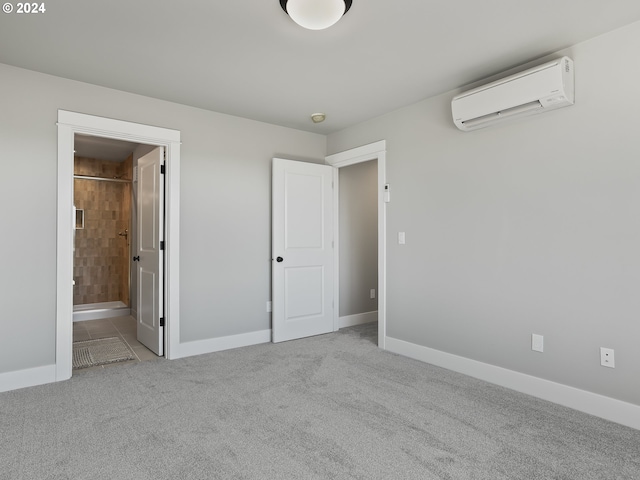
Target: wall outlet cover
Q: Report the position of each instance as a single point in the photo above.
(607, 358)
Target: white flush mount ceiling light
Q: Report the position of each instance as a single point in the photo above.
(315, 14)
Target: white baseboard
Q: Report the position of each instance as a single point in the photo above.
(357, 319)
(47, 374)
(592, 403)
(211, 345)
(29, 377)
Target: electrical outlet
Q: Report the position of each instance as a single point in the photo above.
(372, 293)
(402, 239)
(268, 307)
(537, 343)
(607, 358)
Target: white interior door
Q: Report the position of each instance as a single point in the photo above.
(149, 256)
(303, 269)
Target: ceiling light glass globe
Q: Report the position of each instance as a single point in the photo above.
(315, 14)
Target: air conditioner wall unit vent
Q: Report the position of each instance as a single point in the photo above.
(539, 89)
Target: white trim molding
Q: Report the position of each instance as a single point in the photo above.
(358, 319)
(211, 345)
(373, 151)
(28, 377)
(357, 155)
(588, 402)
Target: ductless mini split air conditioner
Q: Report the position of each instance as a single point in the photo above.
(540, 89)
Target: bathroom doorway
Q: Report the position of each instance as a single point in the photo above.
(146, 136)
(106, 304)
(102, 190)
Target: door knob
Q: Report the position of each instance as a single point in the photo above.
(136, 259)
(279, 259)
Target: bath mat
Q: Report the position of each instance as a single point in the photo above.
(102, 351)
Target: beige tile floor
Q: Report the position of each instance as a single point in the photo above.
(123, 327)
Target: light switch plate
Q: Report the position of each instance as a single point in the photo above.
(537, 343)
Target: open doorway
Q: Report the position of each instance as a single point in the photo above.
(102, 199)
(306, 257)
(374, 157)
(116, 316)
(358, 244)
(69, 126)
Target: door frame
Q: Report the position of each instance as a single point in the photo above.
(70, 123)
(373, 151)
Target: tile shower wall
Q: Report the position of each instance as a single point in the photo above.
(101, 256)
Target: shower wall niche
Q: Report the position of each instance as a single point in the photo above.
(101, 252)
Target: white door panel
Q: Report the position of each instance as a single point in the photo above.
(149, 267)
(303, 211)
(147, 282)
(305, 289)
(303, 266)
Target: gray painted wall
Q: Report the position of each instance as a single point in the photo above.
(529, 227)
(225, 209)
(358, 212)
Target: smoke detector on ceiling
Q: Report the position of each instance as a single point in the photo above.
(318, 117)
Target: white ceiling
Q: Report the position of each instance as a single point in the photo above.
(102, 148)
(247, 58)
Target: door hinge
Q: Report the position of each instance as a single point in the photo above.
(161, 244)
(162, 169)
(162, 321)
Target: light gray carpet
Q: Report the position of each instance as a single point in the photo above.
(101, 351)
(328, 407)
